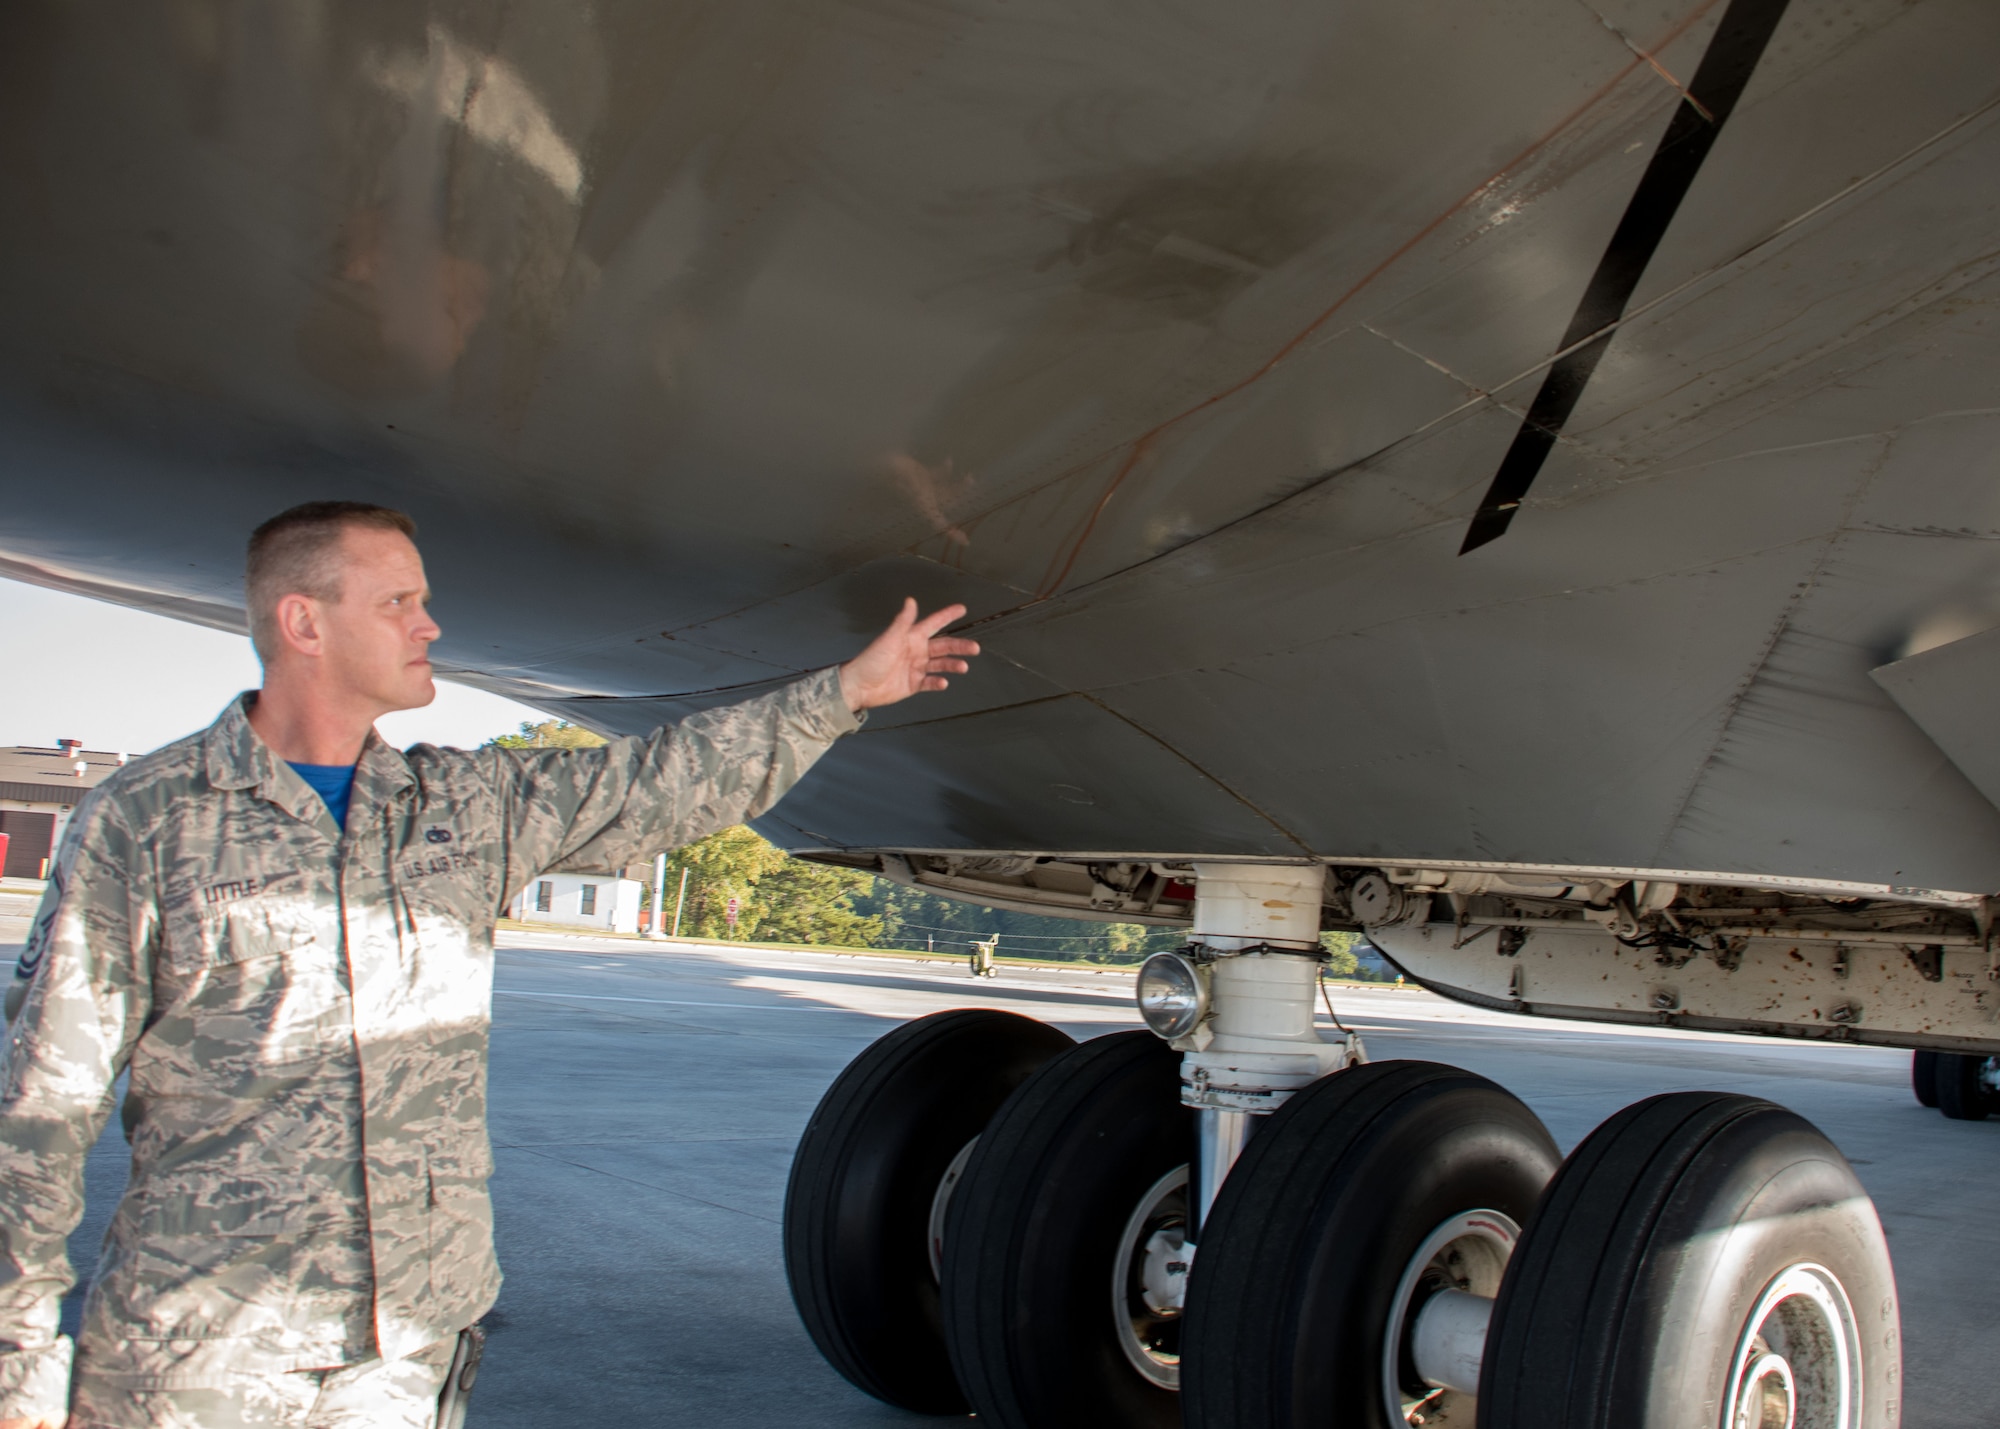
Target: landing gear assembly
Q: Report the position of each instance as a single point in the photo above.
(1962, 1085)
(1235, 1221)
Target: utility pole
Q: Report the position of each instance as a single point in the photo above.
(680, 903)
(659, 919)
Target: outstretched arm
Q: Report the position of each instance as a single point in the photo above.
(608, 807)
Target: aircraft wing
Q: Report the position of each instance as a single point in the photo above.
(1402, 430)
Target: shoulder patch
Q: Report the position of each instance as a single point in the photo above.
(30, 960)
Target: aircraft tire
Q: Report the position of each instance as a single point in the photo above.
(865, 1186)
(1961, 1087)
(1364, 1193)
(1033, 1243)
(1699, 1257)
(1923, 1077)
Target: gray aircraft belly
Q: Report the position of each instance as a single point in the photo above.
(1181, 342)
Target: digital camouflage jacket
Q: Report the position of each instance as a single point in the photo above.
(304, 1017)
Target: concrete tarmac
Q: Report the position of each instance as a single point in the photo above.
(646, 1099)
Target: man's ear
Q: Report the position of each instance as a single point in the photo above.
(298, 622)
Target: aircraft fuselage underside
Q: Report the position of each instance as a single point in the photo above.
(1795, 958)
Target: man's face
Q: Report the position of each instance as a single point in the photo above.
(377, 636)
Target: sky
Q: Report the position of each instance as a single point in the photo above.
(127, 681)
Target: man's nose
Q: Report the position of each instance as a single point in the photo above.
(427, 629)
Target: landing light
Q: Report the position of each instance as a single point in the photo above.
(1173, 996)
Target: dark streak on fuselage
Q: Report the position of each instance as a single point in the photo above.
(1726, 67)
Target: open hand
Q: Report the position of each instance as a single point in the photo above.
(907, 657)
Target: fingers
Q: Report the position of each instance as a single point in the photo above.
(937, 620)
(926, 668)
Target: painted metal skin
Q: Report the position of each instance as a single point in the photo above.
(1180, 341)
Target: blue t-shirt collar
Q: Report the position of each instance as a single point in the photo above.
(334, 783)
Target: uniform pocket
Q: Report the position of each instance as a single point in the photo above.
(269, 1000)
(240, 930)
(253, 929)
(247, 984)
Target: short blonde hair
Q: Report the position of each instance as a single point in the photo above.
(296, 553)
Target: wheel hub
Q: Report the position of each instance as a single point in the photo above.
(1426, 1359)
(1163, 1271)
(1149, 1280)
(1769, 1399)
(1798, 1360)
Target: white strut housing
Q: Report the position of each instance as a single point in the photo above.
(1239, 905)
(1259, 1043)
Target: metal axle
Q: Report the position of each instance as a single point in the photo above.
(1220, 1136)
(1448, 1341)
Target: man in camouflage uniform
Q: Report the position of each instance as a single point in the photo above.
(303, 1007)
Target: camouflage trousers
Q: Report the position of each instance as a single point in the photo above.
(378, 1394)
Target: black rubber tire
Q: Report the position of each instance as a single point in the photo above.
(858, 1204)
(1031, 1240)
(1624, 1304)
(1303, 1251)
(1961, 1092)
(1923, 1077)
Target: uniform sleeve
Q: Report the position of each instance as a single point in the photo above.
(589, 810)
(88, 990)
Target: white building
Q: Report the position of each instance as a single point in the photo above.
(580, 900)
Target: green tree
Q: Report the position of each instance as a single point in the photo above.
(549, 734)
(1341, 961)
(779, 899)
(725, 865)
(800, 902)
(1126, 942)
